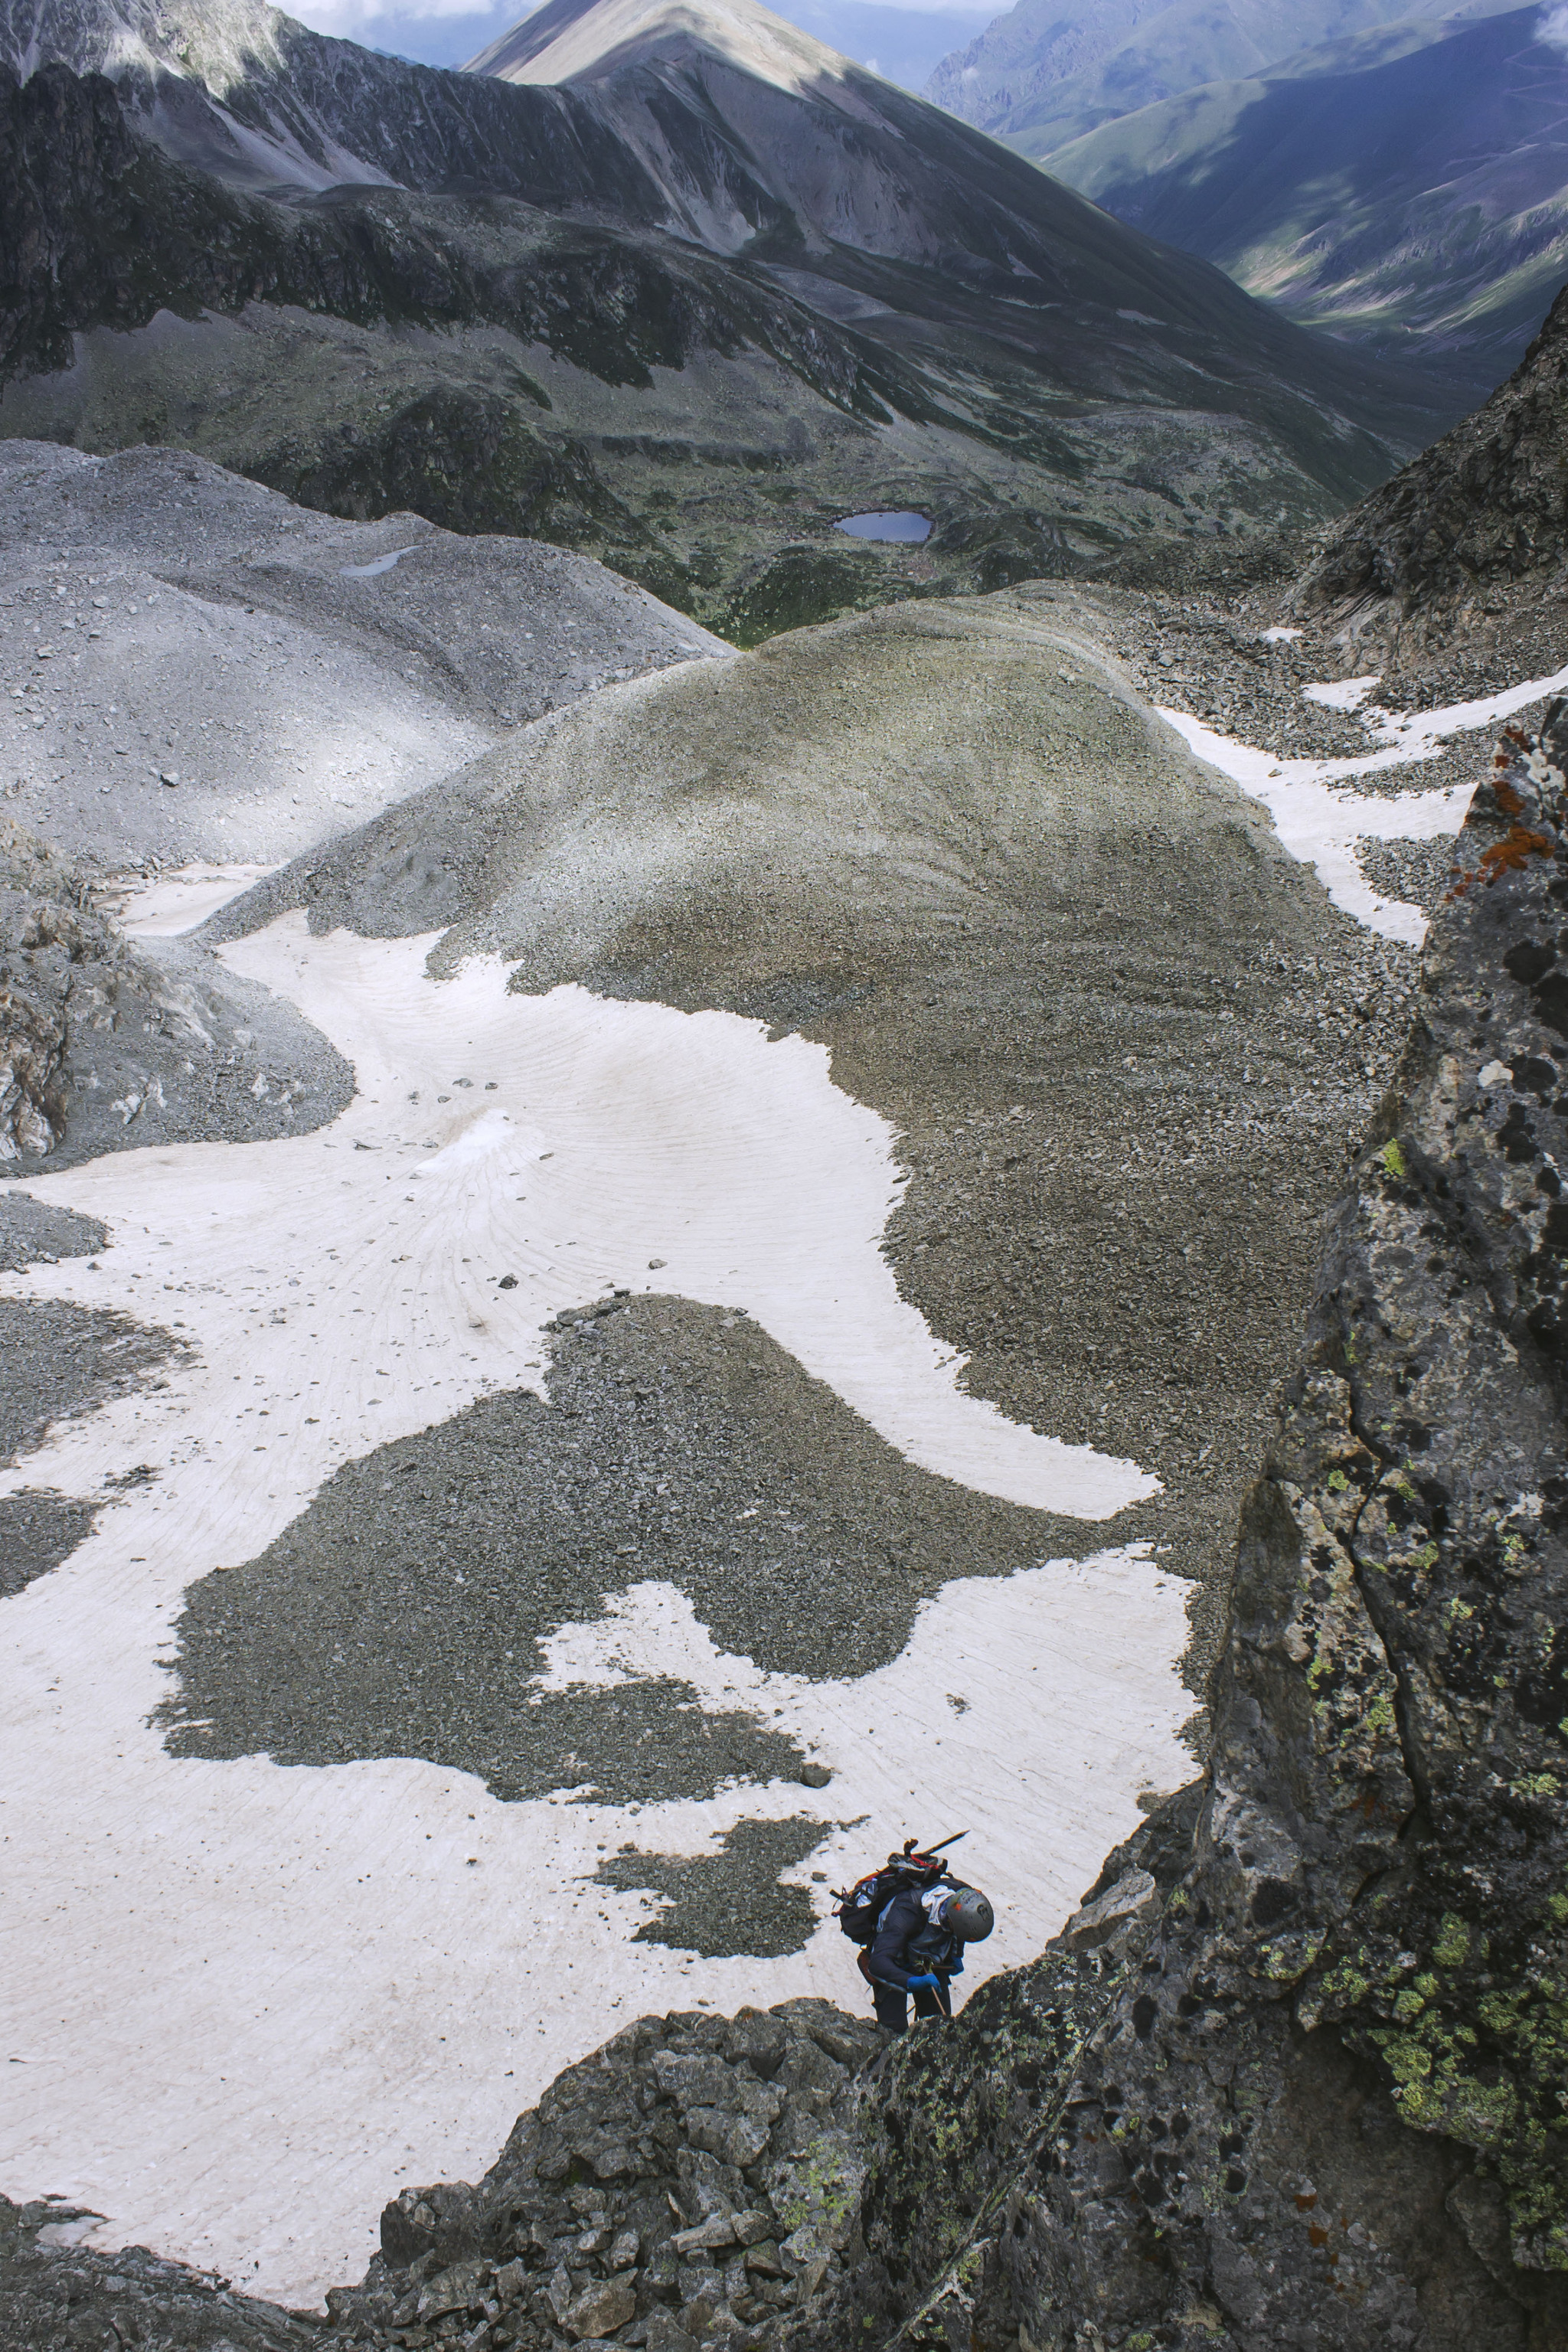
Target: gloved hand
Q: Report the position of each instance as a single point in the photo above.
(923, 1980)
(956, 1969)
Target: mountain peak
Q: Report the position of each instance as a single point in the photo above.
(588, 40)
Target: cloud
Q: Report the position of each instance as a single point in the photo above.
(374, 21)
(397, 26)
(1553, 26)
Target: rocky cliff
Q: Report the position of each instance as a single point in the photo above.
(1480, 517)
(1318, 2098)
(1296, 2074)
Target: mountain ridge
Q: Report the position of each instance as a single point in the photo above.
(672, 312)
(1037, 79)
(1406, 185)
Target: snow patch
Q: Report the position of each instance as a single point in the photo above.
(1343, 693)
(1320, 815)
(373, 570)
(164, 907)
(249, 2003)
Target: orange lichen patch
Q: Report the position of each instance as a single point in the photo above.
(1512, 853)
(1509, 855)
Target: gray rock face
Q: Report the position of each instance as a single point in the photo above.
(104, 1047)
(1479, 514)
(1319, 2105)
(695, 2179)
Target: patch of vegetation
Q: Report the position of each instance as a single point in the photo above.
(803, 585)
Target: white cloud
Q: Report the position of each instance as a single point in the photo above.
(396, 28)
(1553, 26)
(372, 21)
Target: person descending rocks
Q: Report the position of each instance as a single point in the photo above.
(911, 1920)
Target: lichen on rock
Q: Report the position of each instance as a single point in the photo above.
(1321, 2098)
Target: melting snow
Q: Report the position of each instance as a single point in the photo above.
(1320, 815)
(229, 1982)
(181, 898)
(378, 564)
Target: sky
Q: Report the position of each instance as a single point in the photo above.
(905, 43)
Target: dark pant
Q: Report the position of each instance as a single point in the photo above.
(890, 2003)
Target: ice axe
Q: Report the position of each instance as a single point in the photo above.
(910, 1847)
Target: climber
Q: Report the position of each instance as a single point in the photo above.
(911, 1920)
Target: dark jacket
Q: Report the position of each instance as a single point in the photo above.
(908, 1942)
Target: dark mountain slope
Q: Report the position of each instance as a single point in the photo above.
(1477, 522)
(848, 170)
(239, 89)
(102, 229)
(1408, 182)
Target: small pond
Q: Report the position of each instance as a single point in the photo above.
(886, 526)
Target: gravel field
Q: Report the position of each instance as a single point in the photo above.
(195, 667)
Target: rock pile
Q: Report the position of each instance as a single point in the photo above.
(57, 2295)
(103, 1044)
(694, 2180)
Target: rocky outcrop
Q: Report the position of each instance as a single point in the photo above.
(58, 2295)
(1482, 512)
(1319, 2100)
(694, 2179)
(104, 1046)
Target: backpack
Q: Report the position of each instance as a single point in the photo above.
(858, 1908)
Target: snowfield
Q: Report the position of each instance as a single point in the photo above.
(248, 2001)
